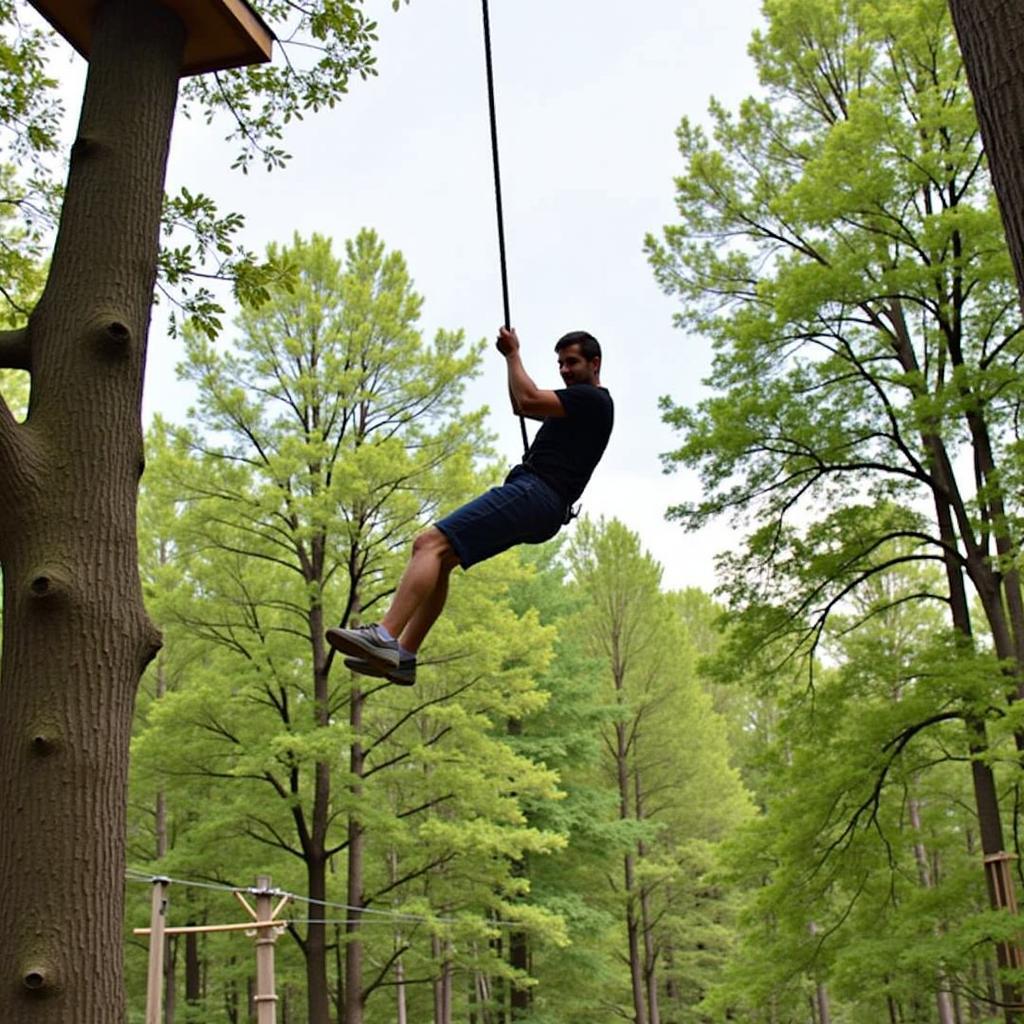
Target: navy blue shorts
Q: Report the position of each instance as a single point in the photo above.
(523, 510)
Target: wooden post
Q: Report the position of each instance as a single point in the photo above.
(157, 941)
(1000, 880)
(266, 936)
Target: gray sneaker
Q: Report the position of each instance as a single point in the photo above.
(404, 675)
(367, 643)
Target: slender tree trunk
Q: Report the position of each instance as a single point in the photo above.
(520, 997)
(401, 1008)
(339, 975)
(636, 971)
(170, 970)
(313, 834)
(75, 634)
(400, 993)
(519, 958)
(894, 1016)
(354, 943)
(650, 954)
(193, 983)
(671, 982)
(991, 34)
(318, 995)
(497, 989)
(443, 982)
(160, 835)
(171, 944)
(447, 984)
(483, 996)
(820, 1004)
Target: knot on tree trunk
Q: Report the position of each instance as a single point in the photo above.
(44, 745)
(113, 338)
(48, 586)
(39, 978)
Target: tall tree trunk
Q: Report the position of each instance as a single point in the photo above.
(170, 970)
(193, 983)
(497, 989)
(339, 975)
(442, 953)
(171, 944)
(820, 1005)
(650, 955)
(991, 34)
(354, 891)
(646, 921)
(520, 996)
(401, 1007)
(76, 637)
(318, 995)
(314, 834)
(519, 958)
(986, 795)
(636, 968)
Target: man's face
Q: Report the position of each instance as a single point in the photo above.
(574, 368)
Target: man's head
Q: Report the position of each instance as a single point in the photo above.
(579, 358)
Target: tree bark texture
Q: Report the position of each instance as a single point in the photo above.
(991, 34)
(76, 637)
(313, 834)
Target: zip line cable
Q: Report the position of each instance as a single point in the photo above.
(384, 916)
(497, 192)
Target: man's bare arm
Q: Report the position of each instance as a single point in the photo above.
(527, 399)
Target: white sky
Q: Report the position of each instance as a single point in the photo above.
(589, 93)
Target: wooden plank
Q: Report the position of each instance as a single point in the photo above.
(221, 34)
(202, 929)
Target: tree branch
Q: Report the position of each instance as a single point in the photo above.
(382, 973)
(15, 350)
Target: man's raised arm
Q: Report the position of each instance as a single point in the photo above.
(527, 399)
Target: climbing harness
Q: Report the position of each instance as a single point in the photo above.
(497, 191)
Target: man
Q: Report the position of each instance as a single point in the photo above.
(530, 506)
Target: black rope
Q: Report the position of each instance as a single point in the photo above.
(497, 191)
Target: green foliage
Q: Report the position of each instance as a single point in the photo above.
(862, 872)
(838, 242)
(320, 442)
(662, 749)
(325, 44)
(319, 49)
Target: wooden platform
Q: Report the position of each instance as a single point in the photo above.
(221, 33)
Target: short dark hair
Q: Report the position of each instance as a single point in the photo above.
(590, 347)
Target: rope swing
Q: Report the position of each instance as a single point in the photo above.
(497, 191)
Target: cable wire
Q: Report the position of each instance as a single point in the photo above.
(392, 916)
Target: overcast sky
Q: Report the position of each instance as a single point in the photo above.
(589, 94)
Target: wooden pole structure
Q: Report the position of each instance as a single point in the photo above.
(265, 924)
(157, 942)
(266, 936)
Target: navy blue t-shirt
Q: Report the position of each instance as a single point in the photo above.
(567, 448)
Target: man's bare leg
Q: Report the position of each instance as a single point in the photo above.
(426, 614)
(422, 591)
